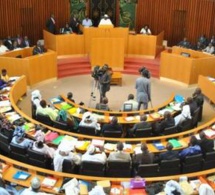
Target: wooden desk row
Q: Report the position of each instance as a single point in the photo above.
(37, 68)
(19, 89)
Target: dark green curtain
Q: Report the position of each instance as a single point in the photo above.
(127, 13)
(78, 8)
(100, 7)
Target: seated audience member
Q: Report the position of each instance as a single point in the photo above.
(87, 22)
(81, 110)
(193, 105)
(19, 40)
(209, 49)
(3, 84)
(25, 42)
(22, 141)
(89, 121)
(105, 20)
(36, 97)
(46, 110)
(4, 75)
(173, 188)
(146, 72)
(15, 46)
(199, 46)
(198, 97)
(203, 40)
(63, 153)
(212, 40)
(34, 189)
(193, 148)
(38, 49)
(169, 154)
(67, 29)
(132, 102)
(4, 191)
(3, 48)
(112, 126)
(8, 42)
(143, 157)
(92, 155)
(103, 105)
(185, 114)
(168, 121)
(70, 97)
(207, 145)
(141, 125)
(185, 43)
(205, 189)
(145, 30)
(119, 154)
(41, 147)
(64, 118)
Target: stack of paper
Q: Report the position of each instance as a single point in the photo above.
(49, 182)
(82, 145)
(175, 143)
(55, 100)
(209, 133)
(155, 115)
(98, 143)
(110, 147)
(21, 175)
(159, 145)
(129, 118)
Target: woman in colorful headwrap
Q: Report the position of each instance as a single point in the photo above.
(63, 117)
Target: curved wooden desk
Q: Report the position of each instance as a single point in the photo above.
(19, 89)
(14, 166)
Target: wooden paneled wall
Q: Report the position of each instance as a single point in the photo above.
(178, 18)
(28, 17)
(159, 15)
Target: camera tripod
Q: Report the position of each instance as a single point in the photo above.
(95, 85)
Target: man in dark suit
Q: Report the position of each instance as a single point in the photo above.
(207, 145)
(141, 125)
(9, 43)
(51, 24)
(168, 121)
(25, 42)
(169, 154)
(112, 126)
(74, 24)
(38, 49)
(193, 105)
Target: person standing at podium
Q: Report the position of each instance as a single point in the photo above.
(51, 24)
(105, 21)
(145, 30)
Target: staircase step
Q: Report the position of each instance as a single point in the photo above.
(69, 66)
(73, 72)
